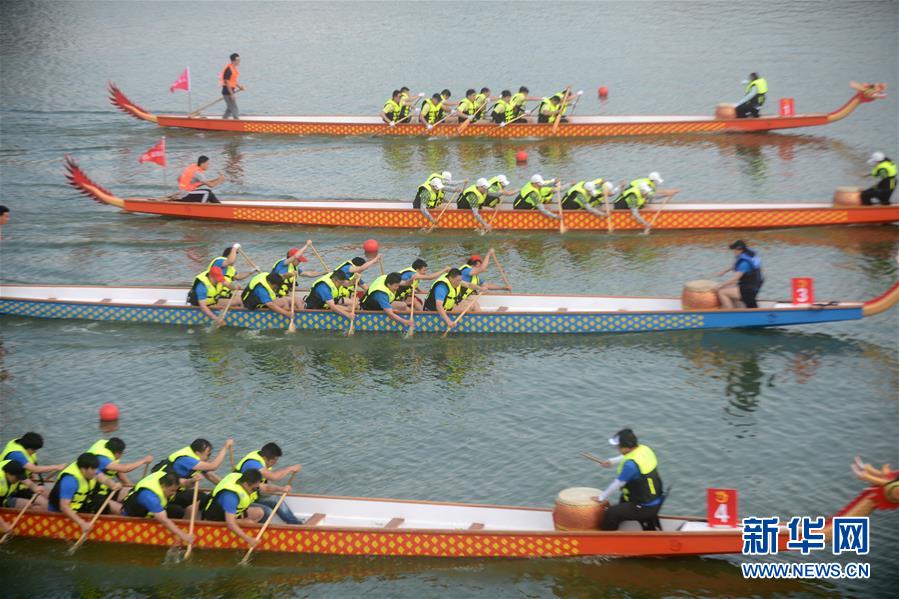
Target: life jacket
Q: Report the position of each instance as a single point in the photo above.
(285, 287)
(229, 483)
(15, 446)
(167, 465)
(313, 300)
(525, 198)
(501, 107)
(555, 109)
(250, 299)
(253, 455)
(152, 484)
(99, 449)
(451, 296)
(231, 83)
(393, 110)
(379, 284)
(434, 196)
(577, 196)
(85, 487)
(214, 291)
(479, 101)
(515, 106)
(405, 291)
(404, 108)
(6, 488)
(467, 106)
(345, 292)
(633, 189)
(185, 181)
(493, 185)
(464, 292)
(753, 279)
(472, 193)
(886, 169)
(433, 111)
(648, 486)
(761, 88)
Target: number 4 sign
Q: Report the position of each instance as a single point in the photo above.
(722, 507)
(803, 290)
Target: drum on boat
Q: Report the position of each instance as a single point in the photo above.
(726, 110)
(847, 196)
(700, 295)
(577, 509)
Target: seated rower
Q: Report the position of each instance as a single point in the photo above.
(14, 478)
(516, 106)
(589, 196)
(471, 274)
(325, 291)
(744, 286)
(231, 500)
(468, 106)
(409, 278)
(24, 451)
(638, 479)
(260, 293)
(151, 498)
(393, 108)
(263, 461)
(73, 492)
(749, 104)
(431, 111)
(501, 107)
(289, 267)
(407, 104)
(443, 297)
(214, 287)
(636, 195)
(550, 109)
(108, 453)
(475, 196)
(353, 269)
(480, 103)
(191, 462)
(430, 194)
(381, 296)
(885, 169)
(193, 180)
(535, 195)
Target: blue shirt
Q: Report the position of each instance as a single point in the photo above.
(68, 486)
(323, 291)
(441, 290)
(746, 263)
(466, 274)
(220, 262)
(228, 501)
(148, 500)
(407, 275)
(252, 465)
(282, 268)
(200, 292)
(262, 294)
(382, 299)
(346, 270)
(183, 466)
(17, 456)
(104, 462)
(629, 472)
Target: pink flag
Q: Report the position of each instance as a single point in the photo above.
(182, 82)
(155, 154)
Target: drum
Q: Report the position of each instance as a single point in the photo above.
(726, 111)
(847, 196)
(577, 509)
(700, 295)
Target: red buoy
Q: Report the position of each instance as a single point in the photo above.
(521, 157)
(603, 92)
(109, 412)
(371, 246)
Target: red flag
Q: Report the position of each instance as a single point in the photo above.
(182, 82)
(155, 154)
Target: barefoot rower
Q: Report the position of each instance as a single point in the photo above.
(744, 285)
(382, 296)
(885, 169)
(230, 86)
(535, 195)
(151, 498)
(443, 297)
(588, 195)
(263, 461)
(193, 180)
(637, 478)
(231, 500)
(325, 291)
(108, 453)
(74, 491)
(636, 195)
(191, 462)
(749, 104)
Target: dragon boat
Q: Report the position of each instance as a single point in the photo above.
(391, 214)
(499, 313)
(392, 527)
(577, 126)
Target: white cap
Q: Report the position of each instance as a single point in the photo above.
(876, 157)
(580, 92)
(236, 246)
(447, 175)
(654, 176)
(482, 182)
(590, 186)
(537, 180)
(645, 189)
(502, 179)
(608, 187)
(436, 183)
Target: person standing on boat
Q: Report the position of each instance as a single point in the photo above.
(232, 500)
(589, 196)
(108, 453)
(638, 480)
(263, 461)
(151, 498)
(230, 86)
(637, 194)
(73, 491)
(193, 180)
(191, 462)
(747, 279)
(756, 89)
(409, 278)
(326, 291)
(381, 296)
(535, 195)
(260, 292)
(885, 169)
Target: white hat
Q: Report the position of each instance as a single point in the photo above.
(436, 183)
(502, 179)
(482, 182)
(645, 189)
(537, 180)
(608, 187)
(654, 176)
(876, 157)
(447, 175)
(590, 186)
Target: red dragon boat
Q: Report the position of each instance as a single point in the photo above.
(393, 214)
(577, 126)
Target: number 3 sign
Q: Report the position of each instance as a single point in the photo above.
(721, 507)
(803, 290)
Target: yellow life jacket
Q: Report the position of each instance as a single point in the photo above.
(99, 449)
(434, 196)
(250, 301)
(515, 106)
(220, 291)
(886, 170)
(405, 109)
(314, 302)
(229, 483)
(433, 110)
(152, 484)
(285, 287)
(467, 106)
(451, 296)
(15, 446)
(493, 185)
(554, 109)
(526, 195)
(464, 292)
(761, 88)
(649, 486)
(6, 489)
(85, 487)
(379, 284)
(405, 291)
(633, 190)
(255, 456)
(392, 110)
(184, 452)
(479, 196)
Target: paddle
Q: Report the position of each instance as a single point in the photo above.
(562, 227)
(247, 258)
(655, 217)
(523, 115)
(455, 322)
(605, 198)
(246, 558)
(464, 125)
(447, 205)
(411, 330)
(320, 259)
(90, 526)
(558, 118)
(576, 100)
(292, 327)
(381, 263)
(193, 518)
(502, 273)
(221, 319)
(448, 115)
(18, 517)
(213, 103)
(350, 331)
(599, 461)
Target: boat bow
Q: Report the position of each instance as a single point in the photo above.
(78, 179)
(883, 302)
(865, 92)
(121, 101)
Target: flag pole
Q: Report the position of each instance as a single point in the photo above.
(189, 108)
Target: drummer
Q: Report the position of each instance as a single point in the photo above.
(749, 104)
(744, 285)
(885, 170)
(637, 478)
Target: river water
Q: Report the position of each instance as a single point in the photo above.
(776, 414)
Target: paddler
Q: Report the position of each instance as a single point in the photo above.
(885, 169)
(393, 108)
(24, 452)
(443, 297)
(549, 110)
(480, 103)
(409, 280)
(192, 462)
(193, 180)
(289, 267)
(473, 197)
(263, 461)
(535, 195)
(325, 291)
(516, 107)
(14, 479)
(432, 192)
(746, 282)
(636, 195)
(749, 104)
(355, 267)
(471, 274)
(109, 452)
(261, 293)
(214, 287)
(381, 296)
(407, 103)
(231, 500)
(637, 478)
(151, 498)
(501, 107)
(468, 106)
(230, 86)
(589, 196)
(431, 111)
(73, 492)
